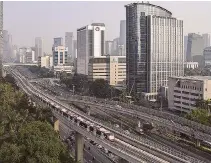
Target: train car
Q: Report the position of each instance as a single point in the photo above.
(147, 127)
(70, 115)
(79, 119)
(83, 123)
(90, 125)
(206, 144)
(98, 130)
(64, 112)
(108, 135)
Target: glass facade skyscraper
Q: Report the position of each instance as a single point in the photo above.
(154, 48)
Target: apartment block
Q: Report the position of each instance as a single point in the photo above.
(183, 92)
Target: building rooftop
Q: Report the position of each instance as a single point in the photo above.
(207, 48)
(148, 4)
(93, 24)
(193, 77)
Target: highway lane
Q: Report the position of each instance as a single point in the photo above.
(90, 150)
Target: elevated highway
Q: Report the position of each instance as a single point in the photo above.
(119, 147)
(166, 120)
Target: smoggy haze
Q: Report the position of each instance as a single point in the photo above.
(27, 20)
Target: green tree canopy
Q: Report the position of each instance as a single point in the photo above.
(36, 142)
(25, 134)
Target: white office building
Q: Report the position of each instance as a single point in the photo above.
(110, 68)
(60, 62)
(192, 65)
(60, 55)
(183, 92)
(90, 43)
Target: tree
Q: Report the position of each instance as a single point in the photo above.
(99, 88)
(25, 134)
(41, 71)
(35, 142)
(199, 115)
(81, 83)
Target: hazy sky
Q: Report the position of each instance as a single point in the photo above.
(27, 20)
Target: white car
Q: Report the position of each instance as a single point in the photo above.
(116, 125)
(127, 132)
(99, 146)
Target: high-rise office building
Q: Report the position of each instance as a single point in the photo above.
(69, 45)
(58, 41)
(122, 36)
(195, 49)
(115, 46)
(7, 46)
(154, 48)
(108, 47)
(90, 43)
(1, 37)
(38, 47)
(185, 46)
(60, 55)
(207, 56)
(75, 48)
(206, 38)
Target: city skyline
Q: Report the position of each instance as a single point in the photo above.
(45, 26)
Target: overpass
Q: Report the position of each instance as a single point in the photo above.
(148, 153)
(166, 120)
(19, 64)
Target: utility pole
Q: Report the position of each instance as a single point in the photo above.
(73, 89)
(161, 103)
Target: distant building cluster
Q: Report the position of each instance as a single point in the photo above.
(147, 59)
(197, 48)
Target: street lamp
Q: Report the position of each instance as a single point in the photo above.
(73, 89)
(209, 109)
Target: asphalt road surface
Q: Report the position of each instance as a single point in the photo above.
(90, 150)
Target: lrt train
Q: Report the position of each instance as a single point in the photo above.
(91, 127)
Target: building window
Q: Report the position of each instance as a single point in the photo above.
(176, 96)
(184, 103)
(194, 94)
(185, 92)
(178, 102)
(185, 98)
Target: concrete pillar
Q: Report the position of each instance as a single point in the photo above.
(121, 160)
(79, 149)
(56, 125)
(88, 112)
(198, 143)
